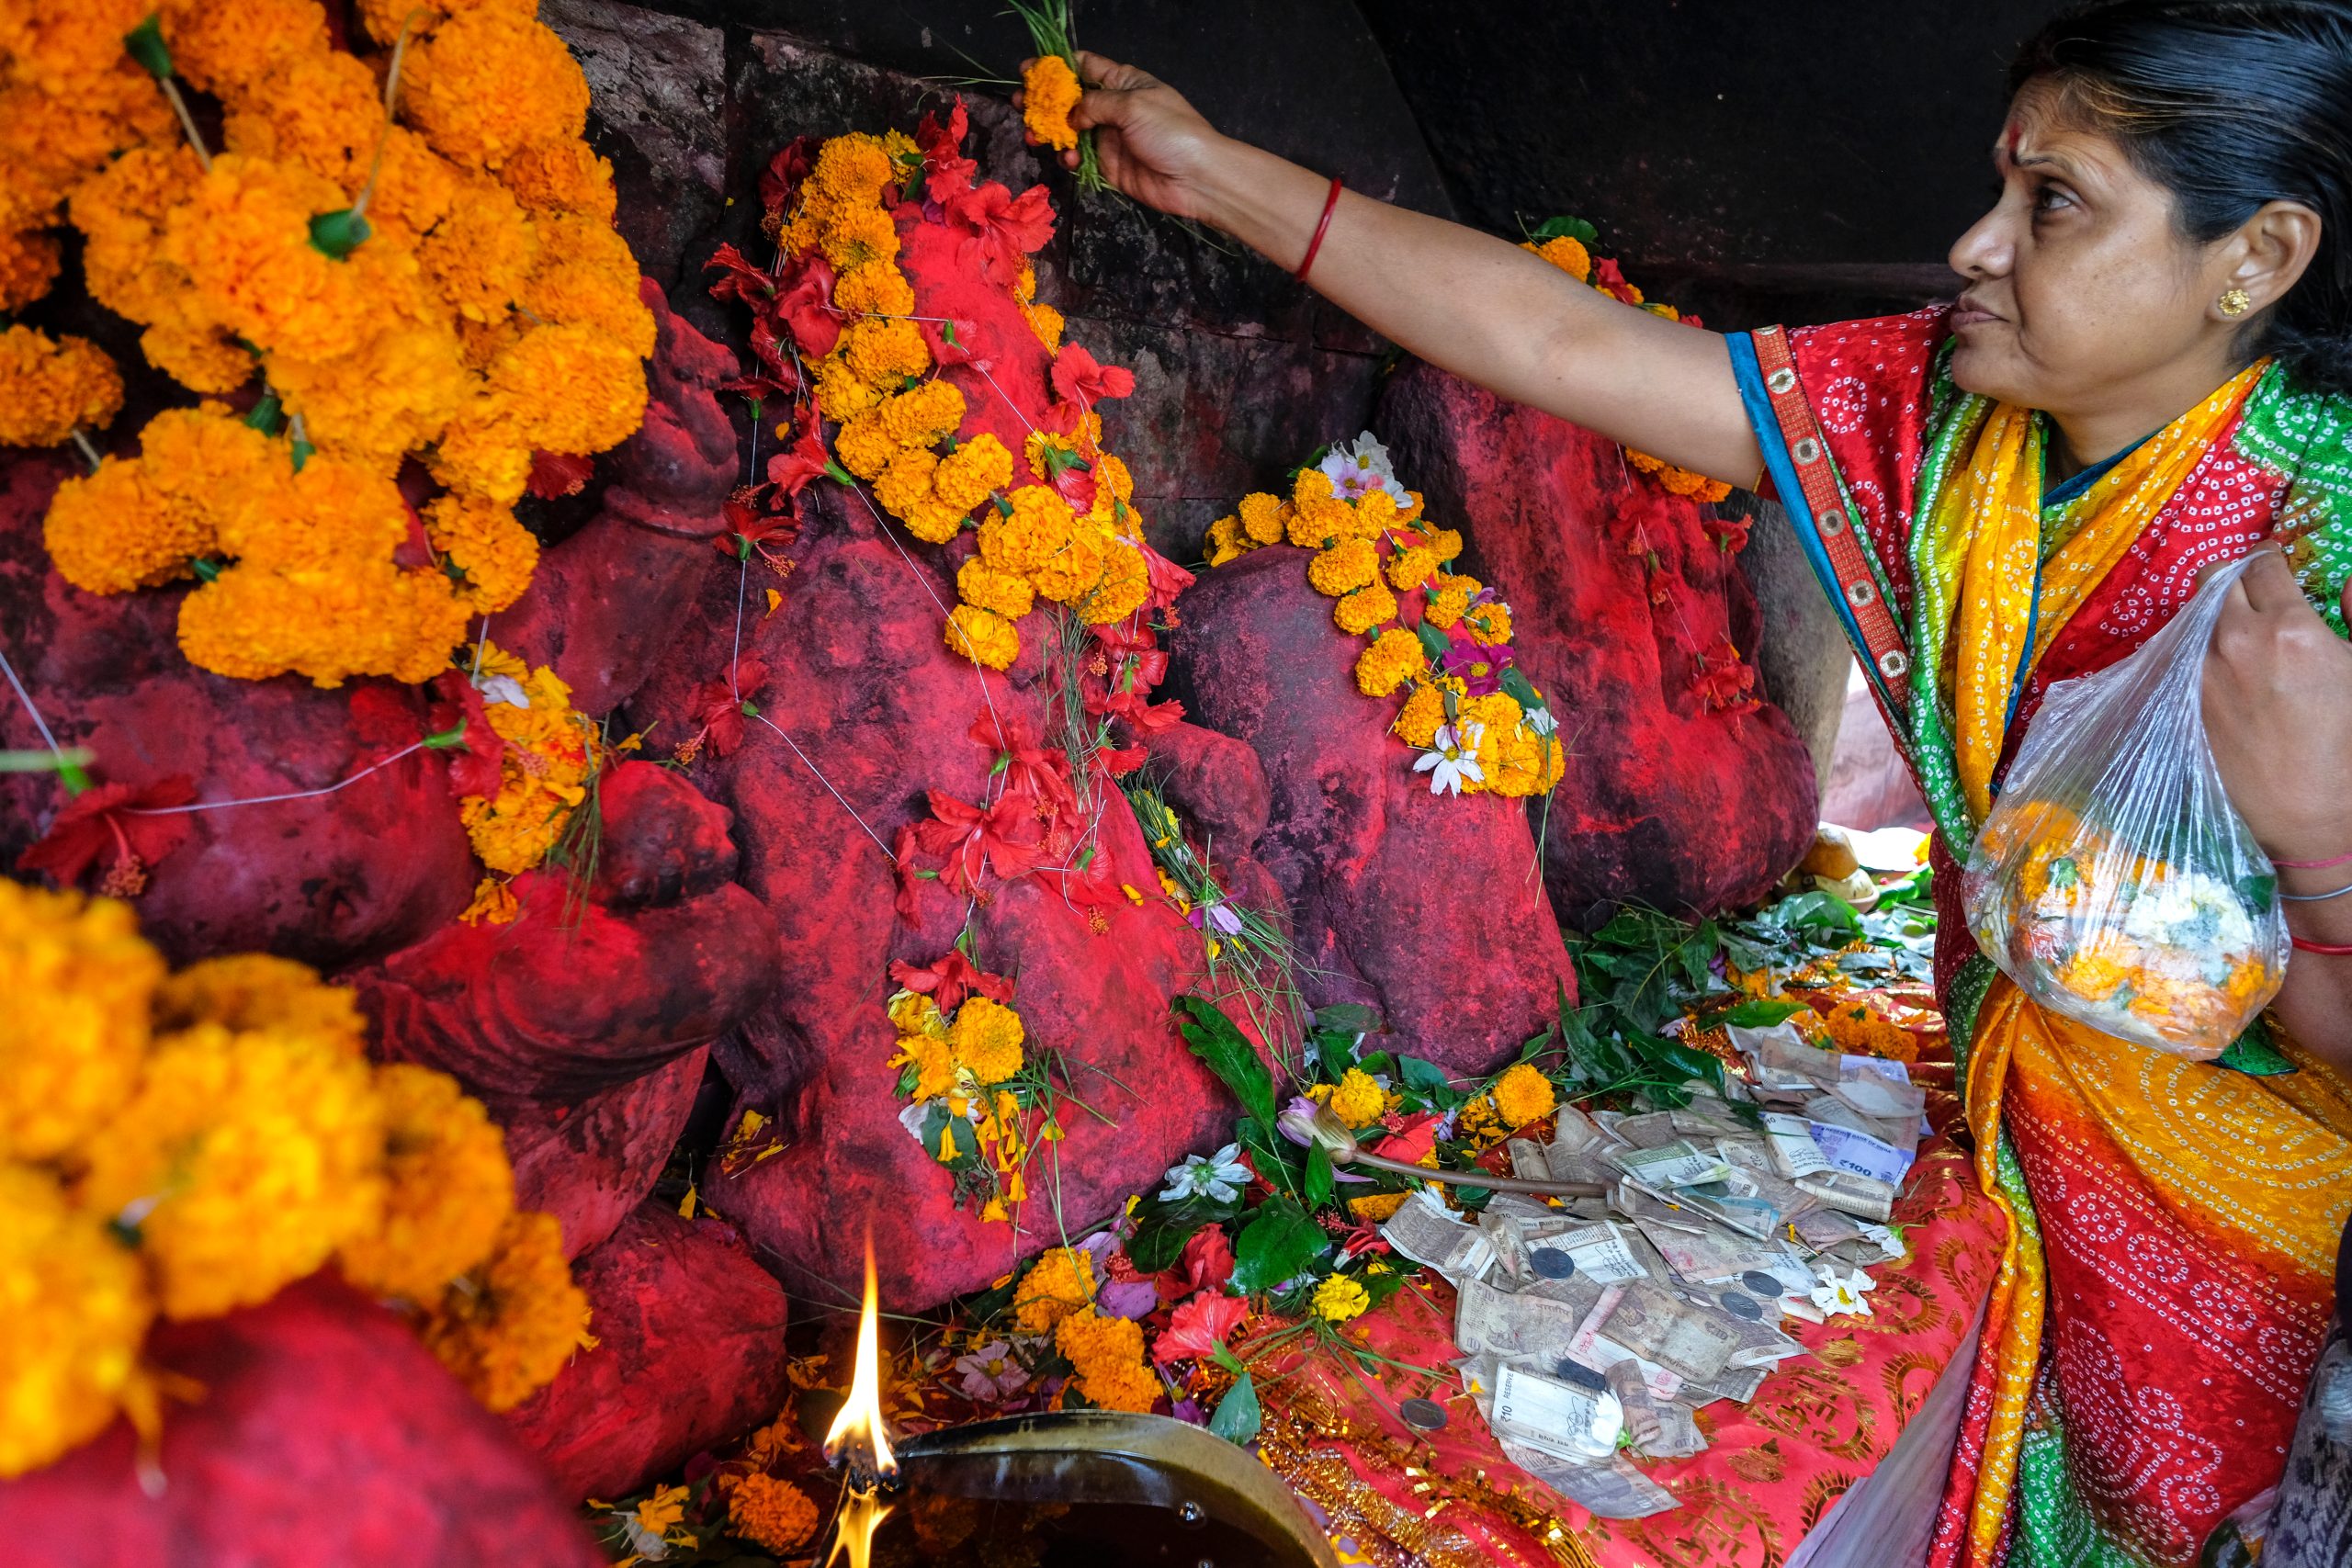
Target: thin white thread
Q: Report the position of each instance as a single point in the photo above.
(27, 698)
(267, 799)
(822, 779)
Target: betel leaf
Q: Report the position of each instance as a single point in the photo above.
(1319, 1177)
(1683, 1060)
(2253, 1053)
(1426, 1077)
(1760, 1012)
(1575, 228)
(1227, 1051)
(1433, 641)
(1237, 1419)
(1274, 1247)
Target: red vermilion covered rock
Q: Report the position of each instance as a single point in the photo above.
(1683, 791)
(325, 1433)
(590, 1163)
(1215, 782)
(689, 1353)
(1426, 906)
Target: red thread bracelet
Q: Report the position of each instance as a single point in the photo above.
(2324, 949)
(2344, 859)
(1323, 227)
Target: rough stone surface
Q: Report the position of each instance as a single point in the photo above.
(1668, 800)
(325, 1433)
(1215, 781)
(1428, 907)
(689, 1353)
(676, 846)
(590, 1163)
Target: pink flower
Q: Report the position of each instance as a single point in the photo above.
(1199, 1328)
(989, 1372)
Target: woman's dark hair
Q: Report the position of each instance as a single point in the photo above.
(2229, 104)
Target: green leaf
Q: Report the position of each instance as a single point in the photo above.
(2260, 891)
(1535, 1047)
(300, 452)
(339, 233)
(2254, 1054)
(266, 414)
(1162, 1229)
(1349, 1018)
(748, 708)
(1575, 228)
(1682, 1060)
(1520, 690)
(1760, 1012)
(1433, 641)
(1319, 1177)
(1335, 1052)
(145, 44)
(205, 569)
(1426, 1077)
(1237, 1417)
(1279, 1243)
(1228, 1052)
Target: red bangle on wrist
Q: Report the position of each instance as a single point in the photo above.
(1322, 227)
(2344, 859)
(2324, 949)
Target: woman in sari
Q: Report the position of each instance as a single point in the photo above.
(2149, 373)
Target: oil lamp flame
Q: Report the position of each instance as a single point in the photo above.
(861, 1515)
(857, 1432)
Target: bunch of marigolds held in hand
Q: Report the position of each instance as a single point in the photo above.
(182, 1145)
(397, 258)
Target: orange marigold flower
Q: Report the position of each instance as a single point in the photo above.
(1364, 609)
(321, 110)
(866, 446)
(1418, 721)
(1225, 540)
(1450, 599)
(852, 168)
(488, 84)
(48, 385)
(587, 277)
(1393, 657)
(27, 265)
(117, 530)
(575, 389)
(1107, 1355)
(878, 288)
(906, 483)
(885, 350)
(982, 585)
(1410, 567)
(1566, 253)
(924, 414)
(120, 212)
(1060, 1283)
(966, 476)
(935, 522)
(481, 539)
(771, 1514)
(859, 236)
(449, 1188)
(1445, 544)
(1127, 583)
(78, 1311)
(983, 637)
(1489, 623)
(481, 255)
(1047, 324)
(1262, 518)
(508, 1329)
(1344, 568)
(244, 239)
(386, 18)
(1069, 574)
(227, 49)
(203, 359)
(1036, 529)
(1049, 91)
(562, 175)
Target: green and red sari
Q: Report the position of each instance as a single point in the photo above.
(2168, 1274)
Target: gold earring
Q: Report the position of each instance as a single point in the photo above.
(2234, 301)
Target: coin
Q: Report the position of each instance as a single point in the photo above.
(1551, 1262)
(1423, 1415)
(1739, 1304)
(1584, 1377)
(1763, 1284)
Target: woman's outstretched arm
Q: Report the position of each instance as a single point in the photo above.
(1475, 305)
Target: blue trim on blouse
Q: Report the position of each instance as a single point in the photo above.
(1757, 401)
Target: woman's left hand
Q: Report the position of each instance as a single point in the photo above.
(2278, 713)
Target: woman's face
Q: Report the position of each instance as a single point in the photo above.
(2078, 282)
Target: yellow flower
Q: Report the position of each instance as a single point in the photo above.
(1340, 1298)
(1048, 323)
(876, 288)
(1379, 1208)
(905, 485)
(48, 385)
(1060, 1283)
(915, 1013)
(987, 1036)
(203, 359)
(771, 1514)
(587, 277)
(27, 265)
(560, 175)
(507, 1329)
(1419, 720)
(481, 254)
(1376, 514)
(966, 476)
(1126, 584)
(1449, 599)
(933, 1063)
(1489, 623)
(1037, 530)
(851, 168)
(1343, 567)
(493, 904)
(242, 237)
(983, 637)
(983, 585)
(1445, 544)
(885, 350)
(859, 236)
(921, 415)
(551, 754)
(1049, 91)
(77, 1312)
(1262, 518)
(1225, 540)
(451, 1187)
(245, 1159)
(225, 49)
(79, 978)
(865, 446)
(1067, 575)
(1107, 1357)
(1358, 1098)
(1395, 656)
(572, 389)
(481, 539)
(490, 83)
(1364, 609)
(1412, 567)
(255, 990)
(1524, 1095)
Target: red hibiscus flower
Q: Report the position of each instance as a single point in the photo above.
(958, 342)
(903, 850)
(791, 469)
(949, 980)
(752, 284)
(474, 761)
(949, 173)
(1167, 579)
(1725, 684)
(718, 705)
(1136, 658)
(1411, 1141)
(1083, 383)
(749, 530)
(780, 181)
(806, 307)
(1199, 1328)
(105, 822)
(1003, 837)
(999, 228)
(558, 473)
(1137, 712)
(1609, 279)
(1206, 1265)
(1037, 772)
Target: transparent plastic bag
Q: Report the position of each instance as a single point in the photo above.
(2113, 881)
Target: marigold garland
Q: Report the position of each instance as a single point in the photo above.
(959, 1075)
(551, 754)
(1481, 726)
(1107, 1357)
(482, 311)
(187, 1144)
(1061, 1281)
